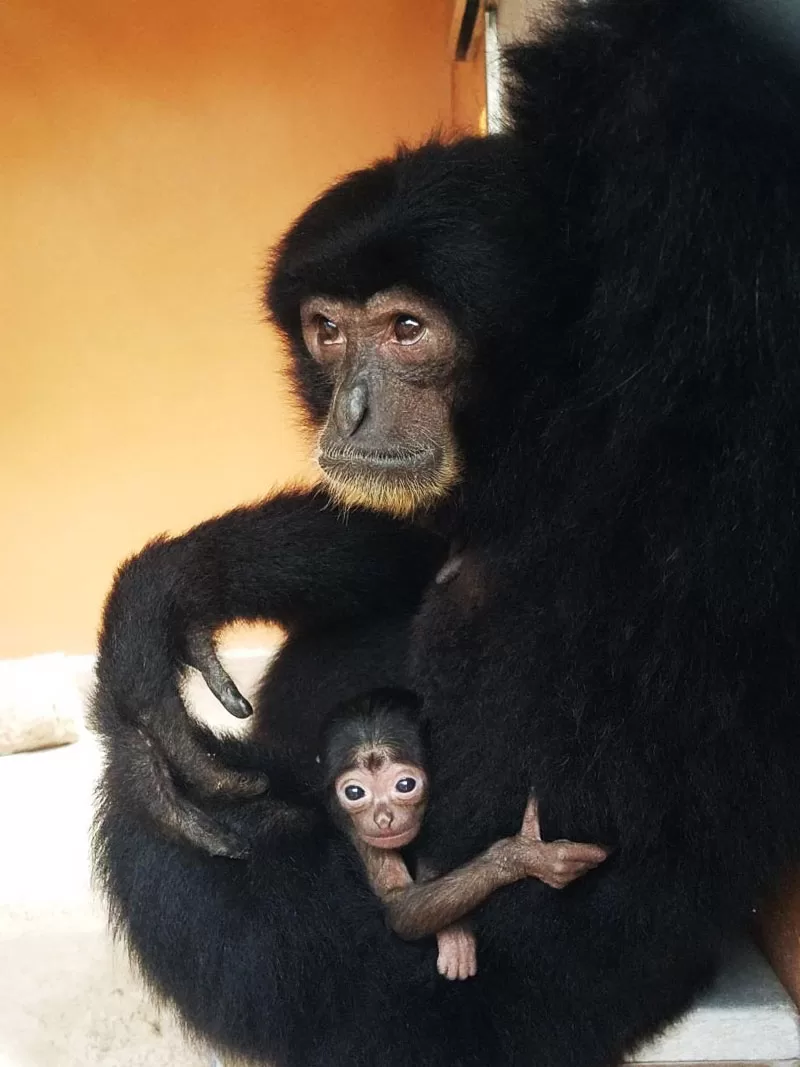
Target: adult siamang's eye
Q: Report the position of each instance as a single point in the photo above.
(354, 792)
(327, 331)
(407, 329)
(406, 785)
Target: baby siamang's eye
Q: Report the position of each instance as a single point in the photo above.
(327, 331)
(354, 792)
(407, 329)
(406, 785)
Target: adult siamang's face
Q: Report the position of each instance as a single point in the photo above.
(387, 441)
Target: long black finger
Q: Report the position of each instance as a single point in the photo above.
(197, 766)
(155, 789)
(202, 655)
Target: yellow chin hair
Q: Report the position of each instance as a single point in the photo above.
(394, 494)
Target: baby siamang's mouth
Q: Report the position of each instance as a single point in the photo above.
(392, 840)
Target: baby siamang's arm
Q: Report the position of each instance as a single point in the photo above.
(388, 874)
(295, 560)
(420, 909)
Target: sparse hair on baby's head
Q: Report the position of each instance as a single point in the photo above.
(385, 719)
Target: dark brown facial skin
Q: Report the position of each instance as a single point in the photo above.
(389, 812)
(387, 442)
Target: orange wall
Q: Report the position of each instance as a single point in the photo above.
(151, 153)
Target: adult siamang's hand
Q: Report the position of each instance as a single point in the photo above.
(291, 560)
(164, 761)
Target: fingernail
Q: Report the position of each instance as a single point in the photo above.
(239, 707)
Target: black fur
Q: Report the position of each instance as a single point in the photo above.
(388, 717)
(621, 637)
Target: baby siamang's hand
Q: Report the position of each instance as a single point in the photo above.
(556, 863)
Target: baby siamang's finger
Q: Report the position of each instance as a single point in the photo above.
(570, 872)
(467, 960)
(202, 655)
(573, 874)
(190, 758)
(558, 881)
(578, 852)
(530, 821)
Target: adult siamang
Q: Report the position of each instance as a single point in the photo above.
(557, 368)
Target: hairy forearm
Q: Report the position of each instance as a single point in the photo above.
(424, 908)
(297, 559)
(291, 560)
(294, 560)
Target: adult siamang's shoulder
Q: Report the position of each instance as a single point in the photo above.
(594, 67)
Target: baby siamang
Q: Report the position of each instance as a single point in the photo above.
(555, 370)
(376, 787)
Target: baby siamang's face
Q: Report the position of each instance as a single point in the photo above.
(393, 361)
(383, 798)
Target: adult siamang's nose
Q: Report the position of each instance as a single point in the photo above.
(352, 405)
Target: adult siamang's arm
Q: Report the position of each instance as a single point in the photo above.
(295, 560)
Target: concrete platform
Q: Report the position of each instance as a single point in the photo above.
(747, 1017)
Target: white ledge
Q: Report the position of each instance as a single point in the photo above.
(746, 1017)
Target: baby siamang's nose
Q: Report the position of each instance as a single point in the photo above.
(352, 405)
(383, 818)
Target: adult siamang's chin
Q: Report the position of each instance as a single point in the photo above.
(399, 484)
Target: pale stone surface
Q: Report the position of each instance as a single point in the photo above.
(746, 1016)
(39, 704)
(68, 998)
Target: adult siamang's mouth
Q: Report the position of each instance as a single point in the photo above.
(348, 460)
(398, 481)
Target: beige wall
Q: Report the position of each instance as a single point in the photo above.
(150, 153)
